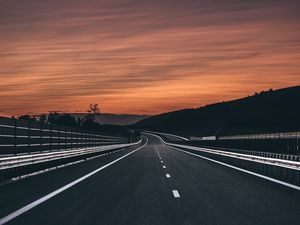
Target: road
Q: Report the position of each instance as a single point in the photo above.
(149, 184)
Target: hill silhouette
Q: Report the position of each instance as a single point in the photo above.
(268, 111)
(115, 119)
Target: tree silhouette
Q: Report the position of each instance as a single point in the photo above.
(62, 119)
(93, 111)
(43, 118)
(89, 120)
(27, 117)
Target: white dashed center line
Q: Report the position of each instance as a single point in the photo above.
(164, 167)
(176, 194)
(168, 175)
(162, 161)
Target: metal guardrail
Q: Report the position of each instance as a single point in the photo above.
(21, 136)
(206, 143)
(283, 145)
(12, 167)
(255, 153)
(286, 135)
(272, 161)
(281, 135)
(16, 161)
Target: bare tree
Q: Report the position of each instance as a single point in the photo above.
(93, 111)
(90, 118)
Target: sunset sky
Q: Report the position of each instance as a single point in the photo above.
(143, 56)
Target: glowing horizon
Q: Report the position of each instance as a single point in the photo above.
(142, 57)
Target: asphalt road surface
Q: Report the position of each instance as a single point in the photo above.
(149, 184)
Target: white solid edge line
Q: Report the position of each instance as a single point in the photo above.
(233, 167)
(243, 170)
(176, 194)
(54, 193)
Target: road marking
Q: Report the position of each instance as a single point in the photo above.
(233, 167)
(54, 193)
(168, 175)
(172, 135)
(156, 150)
(242, 170)
(164, 167)
(176, 194)
(162, 161)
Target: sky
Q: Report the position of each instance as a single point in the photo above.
(141, 56)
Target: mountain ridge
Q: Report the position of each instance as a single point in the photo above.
(267, 111)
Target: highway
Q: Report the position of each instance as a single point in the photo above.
(148, 184)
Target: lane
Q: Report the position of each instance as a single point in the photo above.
(241, 169)
(45, 198)
(160, 185)
(132, 191)
(213, 194)
(17, 194)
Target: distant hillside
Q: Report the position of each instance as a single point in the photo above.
(270, 111)
(115, 119)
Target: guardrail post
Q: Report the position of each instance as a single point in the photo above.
(29, 136)
(66, 140)
(51, 147)
(297, 146)
(89, 141)
(71, 136)
(58, 139)
(93, 139)
(77, 137)
(41, 136)
(15, 136)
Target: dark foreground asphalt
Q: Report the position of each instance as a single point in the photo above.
(136, 191)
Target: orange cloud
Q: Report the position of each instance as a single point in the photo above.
(143, 57)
